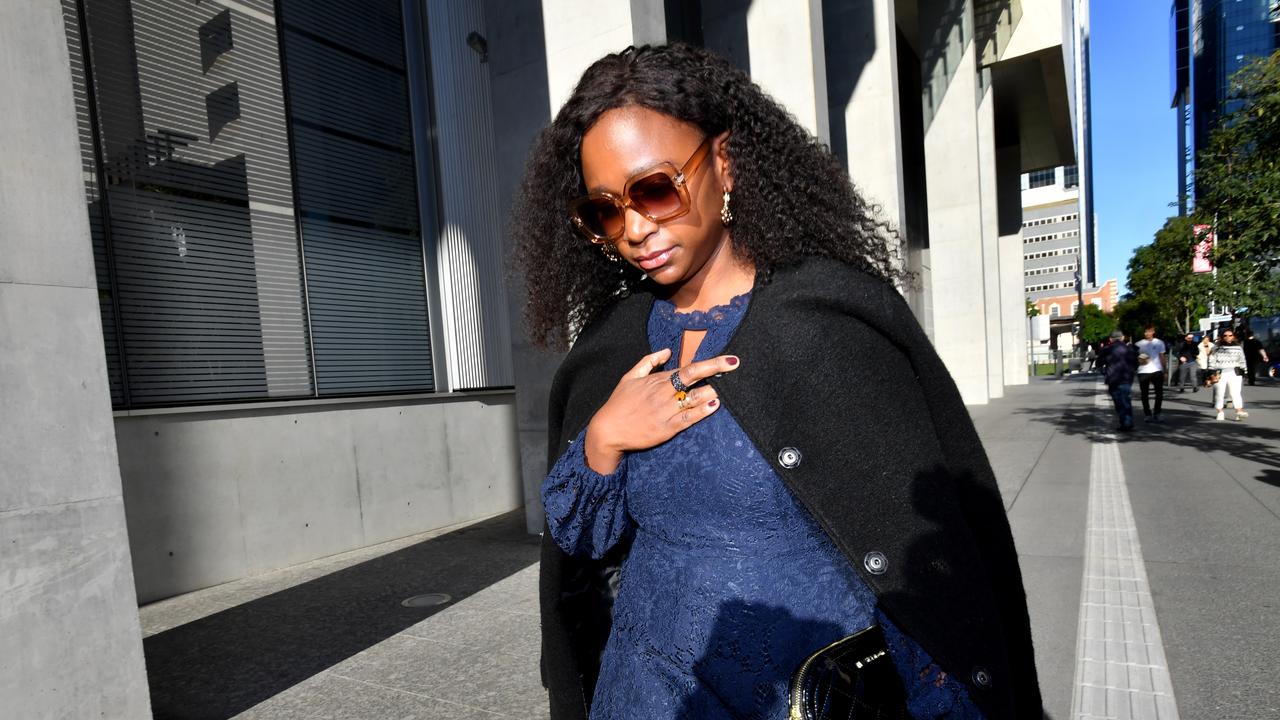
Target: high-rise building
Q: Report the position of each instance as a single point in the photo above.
(1053, 237)
(1210, 41)
(1059, 240)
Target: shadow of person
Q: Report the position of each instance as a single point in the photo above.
(749, 656)
(985, 631)
(1270, 477)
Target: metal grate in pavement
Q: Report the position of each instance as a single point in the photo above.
(1121, 671)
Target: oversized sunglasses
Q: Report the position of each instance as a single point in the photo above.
(659, 193)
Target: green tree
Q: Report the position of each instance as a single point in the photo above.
(1032, 310)
(1160, 275)
(1095, 325)
(1132, 315)
(1238, 190)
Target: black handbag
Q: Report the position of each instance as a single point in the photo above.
(851, 679)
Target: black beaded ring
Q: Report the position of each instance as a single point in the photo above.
(675, 383)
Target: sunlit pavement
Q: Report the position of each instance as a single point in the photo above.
(1180, 613)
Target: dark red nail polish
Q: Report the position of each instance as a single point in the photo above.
(713, 403)
(731, 360)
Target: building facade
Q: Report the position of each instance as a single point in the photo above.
(1059, 245)
(1053, 242)
(1065, 305)
(253, 293)
(1210, 41)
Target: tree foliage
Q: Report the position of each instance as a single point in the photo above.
(1032, 310)
(1132, 315)
(1095, 325)
(1160, 276)
(1238, 190)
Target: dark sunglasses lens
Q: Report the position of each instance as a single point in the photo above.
(601, 217)
(656, 195)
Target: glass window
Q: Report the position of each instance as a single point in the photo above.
(1070, 178)
(1041, 178)
(191, 203)
(1054, 310)
(207, 189)
(357, 195)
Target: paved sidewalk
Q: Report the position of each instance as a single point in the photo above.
(331, 640)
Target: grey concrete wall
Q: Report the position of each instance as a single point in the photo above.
(216, 496)
(1013, 309)
(72, 645)
(862, 94)
(787, 59)
(955, 199)
(521, 107)
(991, 269)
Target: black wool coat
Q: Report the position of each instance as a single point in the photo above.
(844, 395)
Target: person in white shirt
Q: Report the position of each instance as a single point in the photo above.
(1151, 364)
(1228, 359)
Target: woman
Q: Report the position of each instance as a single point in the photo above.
(755, 449)
(1228, 361)
(1202, 357)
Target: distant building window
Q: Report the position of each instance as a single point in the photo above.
(1042, 178)
(1071, 176)
(1054, 310)
(1074, 307)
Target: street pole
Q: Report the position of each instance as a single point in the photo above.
(1079, 323)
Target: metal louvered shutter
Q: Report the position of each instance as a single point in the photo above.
(357, 195)
(198, 234)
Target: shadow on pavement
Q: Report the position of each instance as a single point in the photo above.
(1189, 420)
(226, 663)
(1270, 477)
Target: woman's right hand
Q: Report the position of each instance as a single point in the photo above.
(643, 412)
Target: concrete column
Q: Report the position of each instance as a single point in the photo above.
(538, 51)
(991, 268)
(786, 53)
(1013, 326)
(648, 22)
(579, 32)
(950, 97)
(68, 613)
(861, 57)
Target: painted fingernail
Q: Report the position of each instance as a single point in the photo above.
(713, 403)
(732, 360)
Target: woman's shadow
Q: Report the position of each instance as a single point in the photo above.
(748, 659)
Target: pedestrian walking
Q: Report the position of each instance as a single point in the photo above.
(1188, 365)
(1151, 364)
(755, 450)
(1255, 355)
(1228, 361)
(1203, 349)
(1119, 361)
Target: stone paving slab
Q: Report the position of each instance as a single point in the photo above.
(477, 658)
(1121, 670)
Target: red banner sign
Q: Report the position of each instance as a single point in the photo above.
(1202, 262)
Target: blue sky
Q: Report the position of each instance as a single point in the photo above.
(1135, 141)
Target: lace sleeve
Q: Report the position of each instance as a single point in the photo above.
(586, 511)
(931, 691)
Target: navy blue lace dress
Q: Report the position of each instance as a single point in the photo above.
(729, 584)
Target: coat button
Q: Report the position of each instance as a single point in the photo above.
(981, 677)
(789, 457)
(875, 562)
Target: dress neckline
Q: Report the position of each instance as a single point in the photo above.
(701, 319)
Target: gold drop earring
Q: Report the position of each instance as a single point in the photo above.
(726, 215)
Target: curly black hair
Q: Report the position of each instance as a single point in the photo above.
(791, 198)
